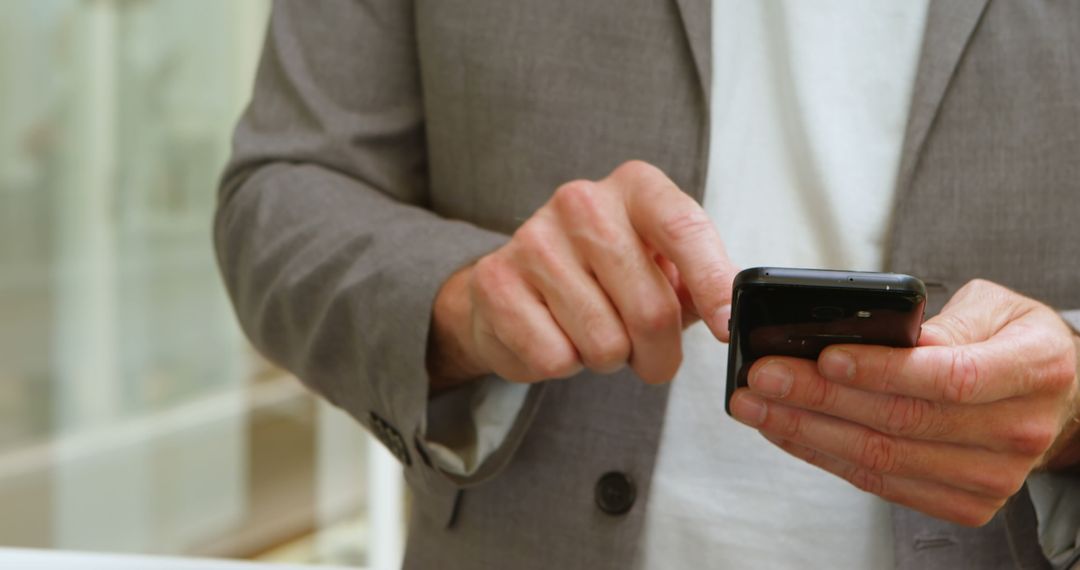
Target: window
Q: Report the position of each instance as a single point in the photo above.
(133, 415)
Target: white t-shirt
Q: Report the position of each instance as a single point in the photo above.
(809, 106)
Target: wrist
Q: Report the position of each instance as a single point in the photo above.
(451, 359)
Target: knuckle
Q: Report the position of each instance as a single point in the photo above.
(636, 170)
(1061, 374)
(555, 363)
(577, 196)
(606, 350)
(711, 277)
(686, 225)
(519, 340)
(791, 425)
(1001, 484)
(891, 367)
(539, 250)
(807, 454)
(656, 317)
(876, 453)
(532, 235)
(489, 277)
(983, 287)
(822, 395)
(978, 284)
(867, 481)
(957, 326)
(960, 382)
(1031, 438)
(991, 292)
(911, 417)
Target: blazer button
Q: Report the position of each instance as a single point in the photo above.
(615, 493)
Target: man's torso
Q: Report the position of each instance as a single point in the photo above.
(521, 97)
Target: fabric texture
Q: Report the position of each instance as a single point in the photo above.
(391, 142)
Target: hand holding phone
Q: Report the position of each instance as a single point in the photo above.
(951, 427)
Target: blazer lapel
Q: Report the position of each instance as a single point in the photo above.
(949, 26)
(697, 22)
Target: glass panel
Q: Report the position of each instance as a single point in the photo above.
(133, 415)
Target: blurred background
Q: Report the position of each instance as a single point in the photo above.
(133, 415)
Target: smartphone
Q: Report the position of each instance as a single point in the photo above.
(799, 312)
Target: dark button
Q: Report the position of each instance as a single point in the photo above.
(615, 493)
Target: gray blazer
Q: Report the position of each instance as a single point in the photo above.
(390, 142)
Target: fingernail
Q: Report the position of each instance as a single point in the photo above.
(748, 409)
(720, 318)
(773, 380)
(837, 364)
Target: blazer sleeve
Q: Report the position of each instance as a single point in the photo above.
(322, 233)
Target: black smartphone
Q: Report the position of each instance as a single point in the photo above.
(798, 312)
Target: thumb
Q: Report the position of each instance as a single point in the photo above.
(975, 313)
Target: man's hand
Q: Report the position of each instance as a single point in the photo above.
(606, 273)
(951, 428)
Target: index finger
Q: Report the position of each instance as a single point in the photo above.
(672, 223)
(966, 374)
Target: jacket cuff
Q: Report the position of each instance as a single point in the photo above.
(468, 424)
(1055, 497)
(397, 371)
